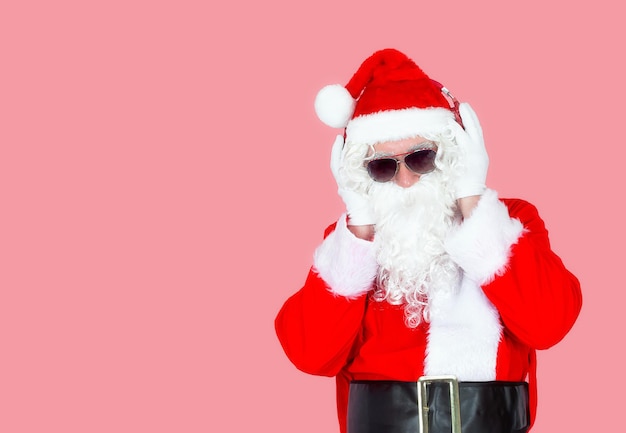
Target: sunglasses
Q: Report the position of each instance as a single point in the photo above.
(420, 161)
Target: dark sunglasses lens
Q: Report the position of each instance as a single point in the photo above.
(422, 161)
(382, 170)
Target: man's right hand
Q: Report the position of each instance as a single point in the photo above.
(358, 208)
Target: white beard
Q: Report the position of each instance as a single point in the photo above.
(411, 226)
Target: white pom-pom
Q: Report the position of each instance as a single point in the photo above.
(334, 105)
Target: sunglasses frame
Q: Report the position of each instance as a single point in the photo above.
(432, 148)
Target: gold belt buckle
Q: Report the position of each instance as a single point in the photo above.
(422, 401)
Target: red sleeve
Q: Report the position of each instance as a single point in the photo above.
(537, 297)
(317, 328)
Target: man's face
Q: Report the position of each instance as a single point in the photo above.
(398, 150)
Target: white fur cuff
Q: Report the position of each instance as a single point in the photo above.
(482, 244)
(346, 263)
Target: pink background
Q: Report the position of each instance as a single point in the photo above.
(164, 182)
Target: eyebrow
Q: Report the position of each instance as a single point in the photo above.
(419, 146)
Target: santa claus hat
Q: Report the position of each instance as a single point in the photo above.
(388, 98)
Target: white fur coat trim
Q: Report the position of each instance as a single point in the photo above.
(481, 245)
(346, 263)
(463, 335)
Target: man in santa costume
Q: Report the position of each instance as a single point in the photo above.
(428, 273)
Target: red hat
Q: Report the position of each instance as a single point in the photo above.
(388, 98)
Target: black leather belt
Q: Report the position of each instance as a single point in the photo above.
(391, 407)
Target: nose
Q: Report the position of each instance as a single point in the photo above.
(405, 177)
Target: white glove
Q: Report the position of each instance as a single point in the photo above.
(474, 158)
(358, 208)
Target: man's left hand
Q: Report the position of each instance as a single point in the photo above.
(474, 159)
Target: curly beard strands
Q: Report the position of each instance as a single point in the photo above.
(412, 224)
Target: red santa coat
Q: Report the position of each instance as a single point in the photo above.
(516, 296)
